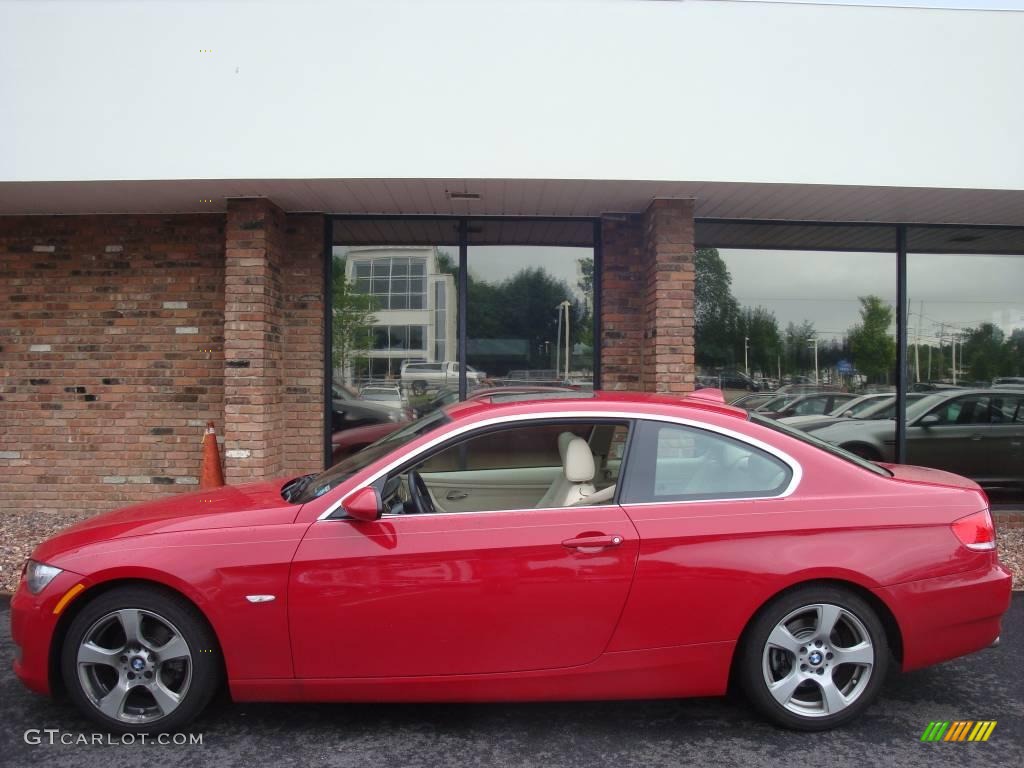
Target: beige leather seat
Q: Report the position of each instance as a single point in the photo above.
(576, 480)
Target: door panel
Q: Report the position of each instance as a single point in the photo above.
(961, 442)
(489, 489)
(458, 593)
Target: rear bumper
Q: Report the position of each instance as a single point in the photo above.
(950, 616)
(32, 624)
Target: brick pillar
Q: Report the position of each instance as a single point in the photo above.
(669, 266)
(302, 272)
(622, 301)
(647, 299)
(253, 316)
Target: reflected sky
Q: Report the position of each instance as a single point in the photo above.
(948, 292)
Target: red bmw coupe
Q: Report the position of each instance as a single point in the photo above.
(584, 546)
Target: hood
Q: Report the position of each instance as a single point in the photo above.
(810, 422)
(848, 429)
(927, 476)
(364, 406)
(227, 507)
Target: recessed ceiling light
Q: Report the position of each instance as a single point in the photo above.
(462, 195)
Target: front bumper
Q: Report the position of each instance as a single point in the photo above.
(32, 624)
(950, 616)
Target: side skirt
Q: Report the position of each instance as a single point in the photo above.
(674, 672)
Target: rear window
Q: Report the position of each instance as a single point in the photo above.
(827, 447)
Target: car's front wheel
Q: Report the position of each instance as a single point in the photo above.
(814, 658)
(140, 660)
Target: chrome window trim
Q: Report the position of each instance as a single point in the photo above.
(794, 465)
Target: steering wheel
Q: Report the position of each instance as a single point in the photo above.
(419, 495)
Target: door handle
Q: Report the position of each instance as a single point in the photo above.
(593, 542)
(976, 436)
(456, 495)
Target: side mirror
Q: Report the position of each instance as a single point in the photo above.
(364, 504)
(929, 419)
(848, 415)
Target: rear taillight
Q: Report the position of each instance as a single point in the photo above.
(976, 531)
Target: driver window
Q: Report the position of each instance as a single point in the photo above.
(538, 466)
(963, 410)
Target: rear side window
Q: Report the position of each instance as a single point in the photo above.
(673, 462)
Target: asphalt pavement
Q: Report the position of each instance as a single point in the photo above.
(699, 732)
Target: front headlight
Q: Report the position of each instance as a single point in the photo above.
(38, 575)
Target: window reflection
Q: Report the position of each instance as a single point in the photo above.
(530, 316)
(966, 348)
(786, 321)
(393, 305)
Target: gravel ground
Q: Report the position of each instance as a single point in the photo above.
(20, 534)
(1011, 552)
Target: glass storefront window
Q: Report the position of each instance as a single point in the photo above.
(966, 354)
(530, 315)
(395, 304)
(795, 322)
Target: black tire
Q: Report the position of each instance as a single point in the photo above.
(205, 666)
(751, 667)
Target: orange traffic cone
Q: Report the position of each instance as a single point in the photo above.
(211, 475)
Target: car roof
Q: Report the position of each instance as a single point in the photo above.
(600, 400)
(949, 394)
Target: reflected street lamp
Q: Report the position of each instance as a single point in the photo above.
(813, 342)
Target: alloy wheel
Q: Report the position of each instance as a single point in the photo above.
(134, 666)
(818, 660)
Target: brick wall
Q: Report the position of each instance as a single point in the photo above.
(111, 331)
(112, 353)
(647, 309)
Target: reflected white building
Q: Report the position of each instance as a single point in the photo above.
(414, 306)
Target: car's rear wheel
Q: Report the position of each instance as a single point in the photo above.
(814, 658)
(140, 660)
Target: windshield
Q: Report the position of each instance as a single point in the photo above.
(343, 392)
(885, 408)
(922, 406)
(314, 486)
(856, 406)
(777, 403)
(381, 396)
(805, 437)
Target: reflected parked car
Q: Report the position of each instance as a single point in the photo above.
(753, 400)
(880, 405)
(733, 379)
(808, 404)
(1013, 382)
(350, 411)
(977, 433)
(387, 395)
